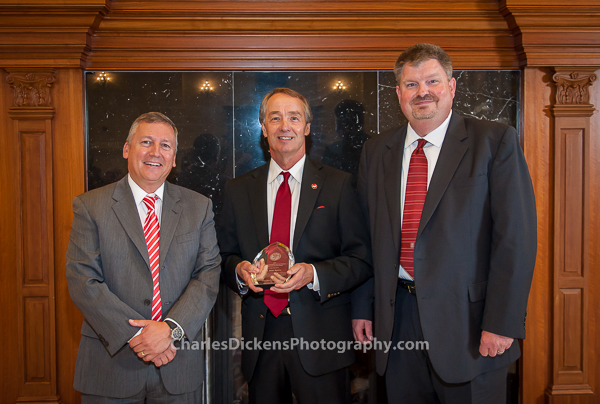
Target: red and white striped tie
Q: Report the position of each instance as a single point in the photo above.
(416, 191)
(152, 235)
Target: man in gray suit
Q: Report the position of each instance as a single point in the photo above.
(143, 268)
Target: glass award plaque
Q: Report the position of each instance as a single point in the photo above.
(273, 262)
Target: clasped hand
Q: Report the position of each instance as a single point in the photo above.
(153, 343)
(302, 275)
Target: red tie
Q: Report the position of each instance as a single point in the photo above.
(280, 232)
(152, 235)
(416, 191)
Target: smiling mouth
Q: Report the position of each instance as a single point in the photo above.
(151, 164)
(284, 137)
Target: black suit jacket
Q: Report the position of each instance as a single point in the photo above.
(475, 249)
(330, 233)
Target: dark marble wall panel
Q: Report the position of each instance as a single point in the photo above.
(204, 120)
(483, 94)
(336, 135)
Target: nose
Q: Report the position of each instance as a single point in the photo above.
(422, 90)
(155, 149)
(285, 124)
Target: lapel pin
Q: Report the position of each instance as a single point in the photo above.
(314, 186)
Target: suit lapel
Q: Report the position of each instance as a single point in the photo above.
(392, 174)
(453, 150)
(257, 194)
(308, 196)
(127, 213)
(171, 213)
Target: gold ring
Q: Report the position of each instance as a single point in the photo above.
(143, 354)
(500, 352)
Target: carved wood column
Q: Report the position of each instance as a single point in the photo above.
(31, 115)
(572, 364)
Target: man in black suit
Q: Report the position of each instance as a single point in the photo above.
(329, 240)
(460, 281)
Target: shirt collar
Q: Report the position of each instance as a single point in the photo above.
(139, 194)
(295, 171)
(435, 137)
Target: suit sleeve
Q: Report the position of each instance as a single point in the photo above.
(362, 297)
(514, 240)
(102, 309)
(228, 240)
(354, 264)
(194, 305)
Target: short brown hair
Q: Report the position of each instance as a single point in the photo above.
(151, 117)
(263, 105)
(422, 52)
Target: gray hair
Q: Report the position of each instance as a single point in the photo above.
(151, 117)
(422, 52)
(308, 117)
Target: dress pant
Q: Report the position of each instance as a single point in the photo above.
(153, 393)
(279, 373)
(410, 378)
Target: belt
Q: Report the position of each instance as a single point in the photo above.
(408, 285)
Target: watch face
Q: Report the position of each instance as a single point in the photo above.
(176, 333)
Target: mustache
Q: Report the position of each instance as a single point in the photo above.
(428, 97)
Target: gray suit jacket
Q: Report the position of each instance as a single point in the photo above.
(109, 280)
(475, 249)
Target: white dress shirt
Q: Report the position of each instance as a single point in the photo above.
(432, 149)
(274, 180)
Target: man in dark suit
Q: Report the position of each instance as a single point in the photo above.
(143, 267)
(453, 228)
(326, 232)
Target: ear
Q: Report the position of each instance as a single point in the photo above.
(126, 150)
(452, 84)
(398, 93)
(307, 129)
(264, 130)
(174, 159)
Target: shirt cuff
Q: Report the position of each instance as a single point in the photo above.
(136, 334)
(315, 285)
(243, 288)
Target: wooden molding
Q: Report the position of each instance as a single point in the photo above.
(553, 33)
(572, 366)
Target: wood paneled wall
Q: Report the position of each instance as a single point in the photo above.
(42, 144)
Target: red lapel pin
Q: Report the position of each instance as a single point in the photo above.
(314, 186)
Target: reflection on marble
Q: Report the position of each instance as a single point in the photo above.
(203, 118)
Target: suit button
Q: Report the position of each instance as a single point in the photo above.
(391, 302)
(329, 295)
(147, 302)
(261, 316)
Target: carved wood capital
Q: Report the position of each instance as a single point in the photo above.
(31, 87)
(572, 88)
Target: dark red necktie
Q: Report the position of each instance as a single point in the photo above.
(280, 232)
(416, 191)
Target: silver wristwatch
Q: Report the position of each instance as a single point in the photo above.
(176, 331)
